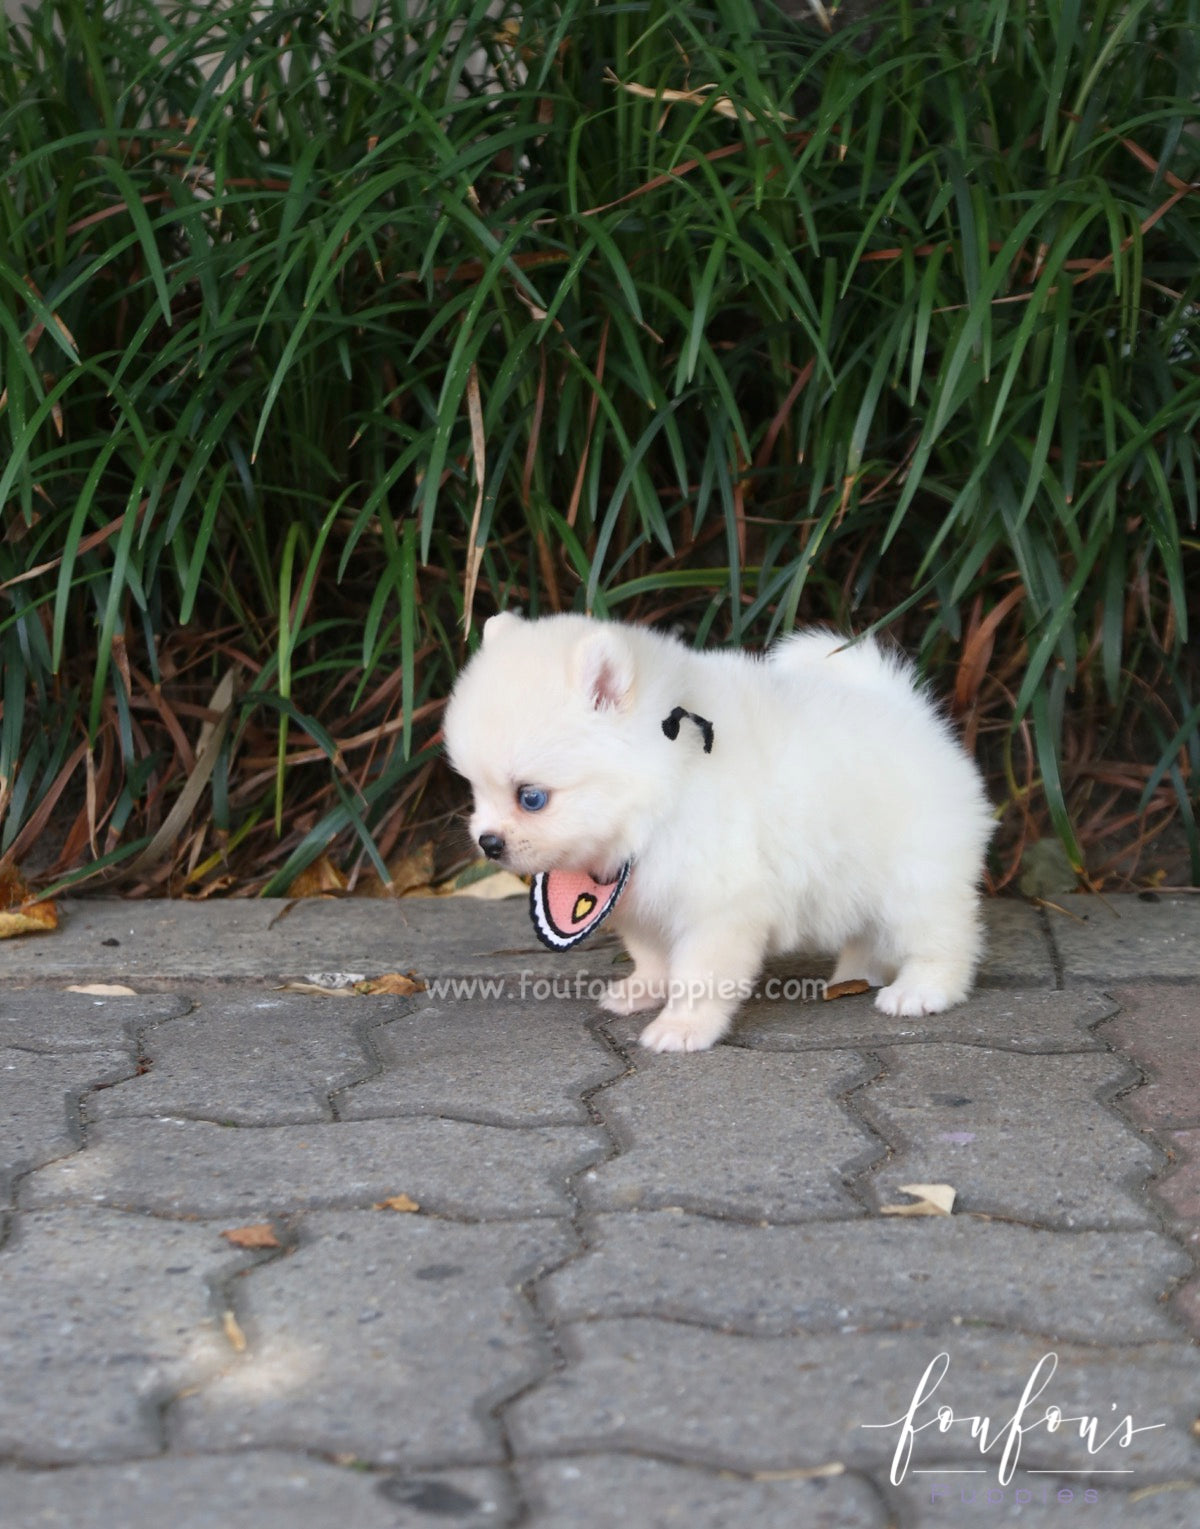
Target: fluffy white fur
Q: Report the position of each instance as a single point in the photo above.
(836, 810)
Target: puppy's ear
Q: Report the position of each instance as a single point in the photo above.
(495, 625)
(604, 670)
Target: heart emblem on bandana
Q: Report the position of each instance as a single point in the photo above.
(567, 905)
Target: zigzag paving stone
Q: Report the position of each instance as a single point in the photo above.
(743, 1133)
(996, 1125)
(1017, 948)
(38, 1110)
(196, 1168)
(260, 1489)
(383, 1336)
(504, 1062)
(1130, 937)
(1089, 1287)
(759, 1404)
(994, 1017)
(1179, 1187)
(249, 1059)
(1159, 1027)
(1179, 1191)
(582, 1493)
(46, 1020)
(104, 1317)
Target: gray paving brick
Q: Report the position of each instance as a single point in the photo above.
(162, 941)
(584, 1493)
(504, 1062)
(1126, 937)
(38, 1103)
(259, 1489)
(739, 1132)
(1089, 1287)
(755, 1404)
(247, 1058)
(996, 1124)
(1017, 1021)
(385, 1337)
(238, 939)
(1159, 1028)
(1017, 946)
(196, 1168)
(1036, 1499)
(41, 1019)
(104, 1316)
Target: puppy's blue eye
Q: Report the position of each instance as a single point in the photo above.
(532, 798)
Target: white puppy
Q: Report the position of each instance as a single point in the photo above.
(810, 799)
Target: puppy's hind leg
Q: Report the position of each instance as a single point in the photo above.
(937, 958)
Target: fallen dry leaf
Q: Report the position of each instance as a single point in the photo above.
(702, 96)
(480, 879)
(931, 1200)
(343, 989)
(401, 984)
(413, 872)
(802, 1473)
(846, 989)
(104, 989)
(261, 1235)
(408, 876)
(19, 913)
(397, 1202)
(233, 1332)
(321, 877)
(1165, 1486)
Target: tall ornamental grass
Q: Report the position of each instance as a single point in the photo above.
(324, 334)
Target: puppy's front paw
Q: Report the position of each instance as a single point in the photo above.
(682, 1032)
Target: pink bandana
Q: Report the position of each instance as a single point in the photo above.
(567, 905)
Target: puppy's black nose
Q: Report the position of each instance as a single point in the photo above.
(492, 845)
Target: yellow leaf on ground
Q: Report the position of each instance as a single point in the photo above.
(411, 873)
(408, 876)
(400, 984)
(19, 914)
(260, 1235)
(930, 1200)
(484, 880)
(320, 877)
(104, 989)
(397, 1202)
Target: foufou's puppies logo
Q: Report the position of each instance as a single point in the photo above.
(1084, 1437)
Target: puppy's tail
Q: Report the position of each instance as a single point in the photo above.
(862, 663)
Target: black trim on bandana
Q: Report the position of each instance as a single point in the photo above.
(548, 931)
(671, 723)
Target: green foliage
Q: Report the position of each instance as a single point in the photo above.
(315, 327)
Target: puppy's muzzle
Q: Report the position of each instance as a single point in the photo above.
(492, 845)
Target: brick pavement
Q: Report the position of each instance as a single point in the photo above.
(658, 1290)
